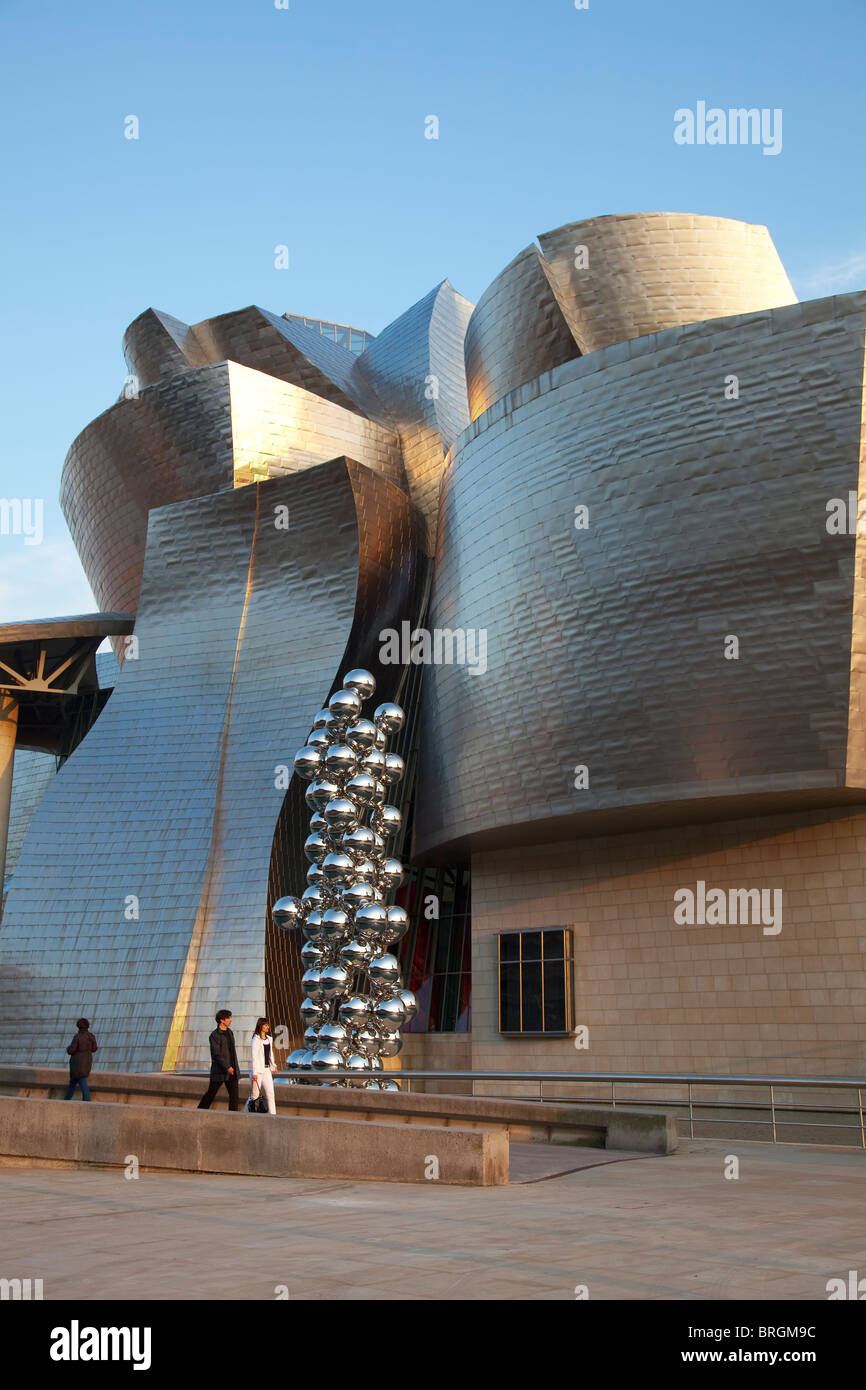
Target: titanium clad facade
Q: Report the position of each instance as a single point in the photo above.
(606, 645)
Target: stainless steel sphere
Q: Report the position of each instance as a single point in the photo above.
(319, 738)
(410, 1003)
(335, 924)
(370, 921)
(316, 847)
(375, 763)
(340, 813)
(389, 718)
(389, 1085)
(357, 895)
(390, 1045)
(393, 770)
(361, 736)
(312, 1012)
(391, 875)
(313, 925)
(315, 874)
(334, 980)
(354, 955)
(345, 705)
(365, 871)
(358, 843)
(398, 922)
(389, 1014)
(311, 1036)
(354, 1012)
(356, 1062)
(311, 984)
(327, 1059)
(361, 681)
(384, 970)
(381, 740)
(320, 792)
(288, 912)
(312, 955)
(337, 866)
(313, 896)
(321, 719)
(367, 1042)
(294, 1058)
(333, 1035)
(362, 789)
(387, 820)
(306, 1061)
(318, 824)
(308, 763)
(341, 760)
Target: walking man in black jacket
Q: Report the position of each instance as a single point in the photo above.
(223, 1062)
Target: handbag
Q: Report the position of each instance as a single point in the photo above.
(258, 1106)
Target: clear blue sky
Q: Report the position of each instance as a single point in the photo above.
(305, 127)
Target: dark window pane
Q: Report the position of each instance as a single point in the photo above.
(554, 944)
(555, 1019)
(509, 998)
(509, 946)
(532, 1016)
(450, 1002)
(531, 945)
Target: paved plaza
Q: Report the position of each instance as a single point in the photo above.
(653, 1228)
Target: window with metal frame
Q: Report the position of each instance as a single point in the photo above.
(536, 981)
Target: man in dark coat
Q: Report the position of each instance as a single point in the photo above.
(81, 1051)
(223, 1062)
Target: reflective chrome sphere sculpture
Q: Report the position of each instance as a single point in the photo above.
(355, 1001)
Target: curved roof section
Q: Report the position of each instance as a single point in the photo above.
(643, 272)
(517, 331)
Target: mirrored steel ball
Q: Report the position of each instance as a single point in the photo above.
(313, 924)
(355, 1011)
(321, 719)
(318, 824)
(391, 875)
(319, 738)
(367, 1042)
(312, 955)
(361, 736)
(311, 1036)
(315, 847)
(340, 813)
(306, 1061)
(390, 1045)
(370, 921)
(308, 763)
(393, 770)
(334, 980)
(384, 970)
(315, 873)
(288, 912)
(333, 1035)
(398, 923)
(389, 1085)
(335, 924)
(360, 680)
(358, 843)
(345, 704)
(337, 866)
(365, 872)
(312, 1011)
(311, 984)
(374, 763)
(355, 954)
(389, 1014)
(295, 1058)
(362, 788)
(357, 895)
(341, 760)
(389, 718)
(320, 792)
(387, 820)
(313, 896)
(410, 1003)
(358, 1063)
(327, 1059)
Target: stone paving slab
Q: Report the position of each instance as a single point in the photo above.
(664, 1228)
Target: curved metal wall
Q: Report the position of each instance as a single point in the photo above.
(173, 797)
(650, 271)
(606, 645)
(517, 330)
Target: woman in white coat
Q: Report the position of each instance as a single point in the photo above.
(263, 1064)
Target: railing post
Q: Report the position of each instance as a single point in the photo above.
(691, 1114)
(860, 1107)
(613, 1094)
(773, 1108)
